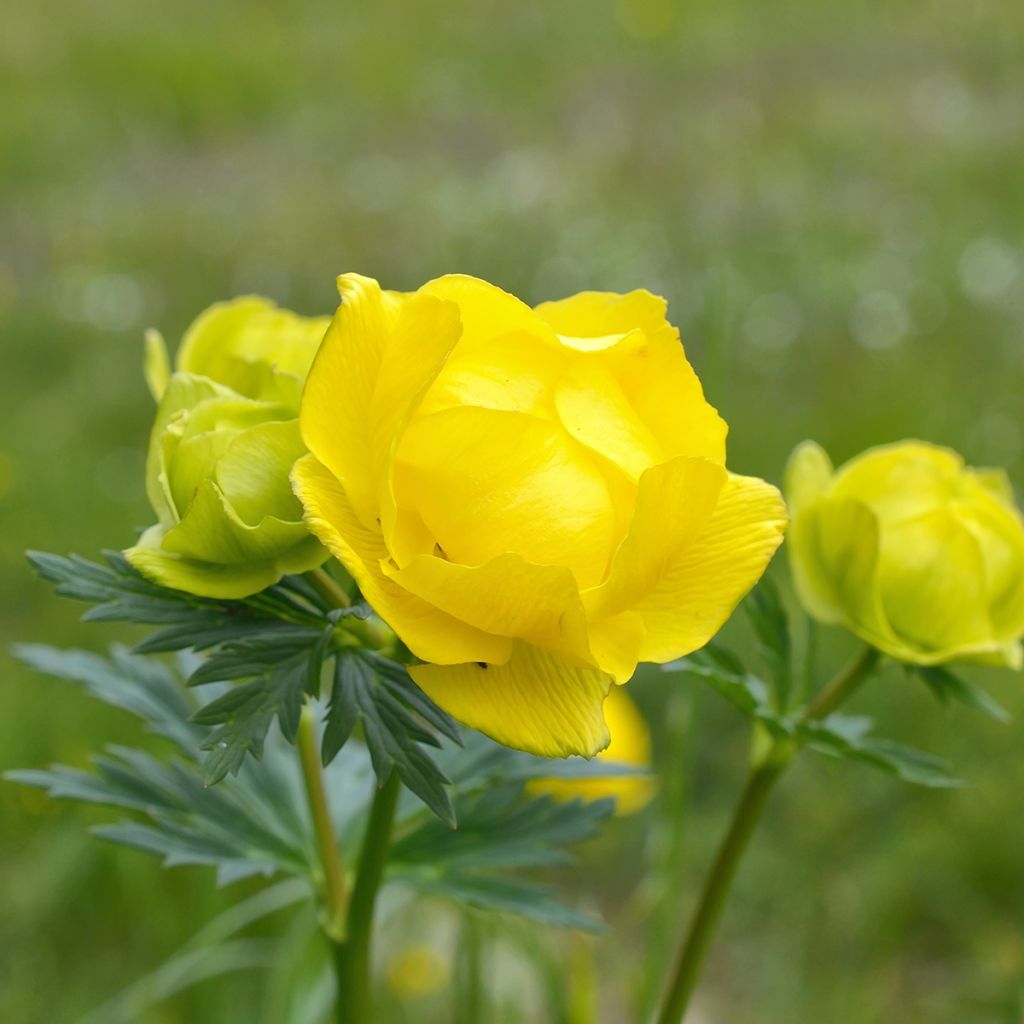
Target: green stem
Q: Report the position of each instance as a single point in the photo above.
(716, 891)
(839, 690)
(352, 957)
(335, 895)
(328, 588)
(763, 776)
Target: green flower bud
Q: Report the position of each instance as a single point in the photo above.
(916, 553)
(221, 451)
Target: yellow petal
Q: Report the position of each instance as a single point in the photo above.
(630, 745)
(535, 702)
(507, 596)
(515, 372)
(699, 590)
(674, 502)
(615, 644)
(606, 314)
(485, 310)
(658, 381)
(427, 631)
(488, 482)
(337, 402)
(424, 333)
(596, 413)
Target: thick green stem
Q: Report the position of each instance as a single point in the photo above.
(352, 957)
(335, 891)
(763, 776)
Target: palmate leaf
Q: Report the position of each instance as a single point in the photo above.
(257, 821)
(380, 694)
(274, 646)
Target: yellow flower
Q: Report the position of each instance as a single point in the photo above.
(535, 500)
(221, 450)
(910, 549)
(630, 745)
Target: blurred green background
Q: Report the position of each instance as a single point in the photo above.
(830, 195)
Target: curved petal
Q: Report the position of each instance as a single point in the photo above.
(536, 701)
(427, 631)
(253, 471)
(507, 596)
(156, 367)
(211, 531)
(656, 378)
(335, 414)
(899, 481)
(602, 314)
(932, 582)
(630, 745)
(699, 588)
(674, 501)
(483, 307)
(808, 475)
(225, 582)
(615, 643)
(488, 482)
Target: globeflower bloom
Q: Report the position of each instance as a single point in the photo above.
(913, 551)
(221, 450)
(535, 500)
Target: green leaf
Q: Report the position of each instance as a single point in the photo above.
(505, 895)
(948, 687)
(725, 674)
(500, 828)
(257, 822)
(848, 736)
(244, 715)
(767, 615)
(397, 719)
(146, 689)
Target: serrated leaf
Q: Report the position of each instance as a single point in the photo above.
(502, 828)
(395, 715)
(949, 687)
(244, 715)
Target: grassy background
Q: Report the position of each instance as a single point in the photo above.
(831, 197)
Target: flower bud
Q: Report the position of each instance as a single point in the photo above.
(221, 450)
(913, 551)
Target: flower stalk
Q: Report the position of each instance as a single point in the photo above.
(335, 889)
(770, 761)
(352, 956)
